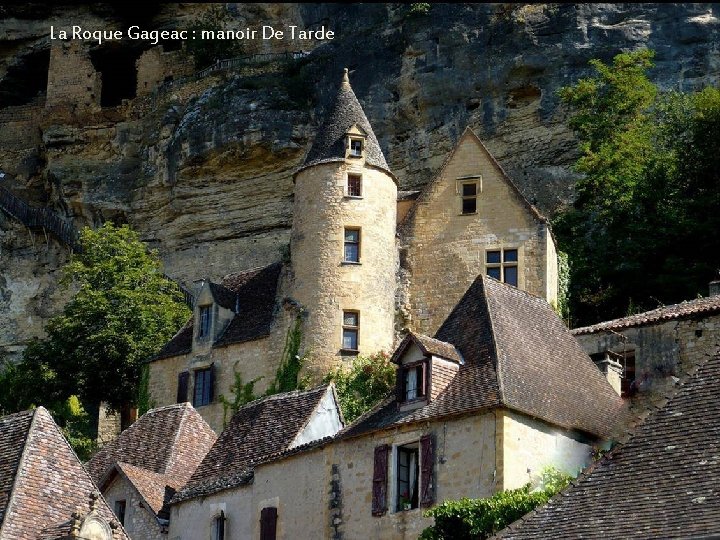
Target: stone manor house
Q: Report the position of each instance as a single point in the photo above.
(367, 264)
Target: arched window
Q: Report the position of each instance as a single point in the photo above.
(218, 526)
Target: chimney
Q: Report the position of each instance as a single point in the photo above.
(610, 366)
(715, 287)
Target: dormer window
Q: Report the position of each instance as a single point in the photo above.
(356, 147)
(205, 321)
(413, 381)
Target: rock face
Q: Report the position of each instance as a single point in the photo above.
(203, 168)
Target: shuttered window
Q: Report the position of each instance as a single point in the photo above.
(379, 488)
(182, 388)
(203, 388)
(427, 464)
(268, 523)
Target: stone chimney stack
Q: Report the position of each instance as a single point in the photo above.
(715, 287)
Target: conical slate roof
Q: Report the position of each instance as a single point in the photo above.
(329, 143)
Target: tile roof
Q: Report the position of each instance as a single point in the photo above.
(518, 354)
(261, 430)
(427, 345)
(662, 483)
(690, 308)
(161, 449)
(329, 144)
(47, 481)
(254, 291)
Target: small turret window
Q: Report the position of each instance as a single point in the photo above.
(351, 327)
(352, 246)
(354, 185)
(356, 147)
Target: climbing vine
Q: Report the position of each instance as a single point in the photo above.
(286, 377)
(242, 392)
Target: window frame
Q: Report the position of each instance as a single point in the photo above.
(207, 382)
(464, 198)
(424, 367)
(350, 328)
(411, 499)
(355, 139)
(120, 510)
(204, 324)
(358, 245)
(354, 176)
(219, 527)
(502, 265)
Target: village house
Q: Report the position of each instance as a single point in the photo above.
(365, 264)
(500, 392)
(140, 471)
(45, 493)
(645, 355)
(661, 483)
(222, 498)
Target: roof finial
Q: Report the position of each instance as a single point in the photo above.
(345, 79)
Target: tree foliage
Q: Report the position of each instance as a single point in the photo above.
(123, 310)
(367, 381)
(642, 228)
(208, 51)
(478, 519)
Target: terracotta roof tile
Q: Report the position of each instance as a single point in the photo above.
(518, 354)
(427, 345)
(259, 430)
(662, 483)
(690, 308)
(329, 144)
(162, 449)
(48, 481)
(254, 292)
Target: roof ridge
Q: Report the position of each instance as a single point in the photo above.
(241, 272)
(23, 454)
(282, 395)
(493, 340)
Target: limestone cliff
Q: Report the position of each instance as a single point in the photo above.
(202, 167)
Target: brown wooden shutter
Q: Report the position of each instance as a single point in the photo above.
(379, 488)
(268, 523)
(182, 388)
(211, 374)
(400, 384)
(427, 464)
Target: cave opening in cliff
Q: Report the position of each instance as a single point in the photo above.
(119, 73)
(26, 80)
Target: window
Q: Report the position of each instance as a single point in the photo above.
(218, 527)
(469, 198)
(350, 328)
(502, 264)
(628, 385)
(354, 185)
(120, 511)
(414, 479)
(352, 246)
(407, 477)
(203, 394)
(356, 147)
(412, 382)
(182, 390)
(205, 321)
(268, 523)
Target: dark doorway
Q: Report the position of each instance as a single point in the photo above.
(26, 79)
(119, 74)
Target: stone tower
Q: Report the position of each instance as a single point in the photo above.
(343, 248)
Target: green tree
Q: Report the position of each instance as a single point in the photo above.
(123, 310)
(640, 230)
(367, 381)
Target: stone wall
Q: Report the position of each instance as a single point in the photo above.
(326, 286)
(258, 359)
(529, 445)
(156, 66)
(665, 352)
(444, 250)
(73, 82)
(140, 522)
